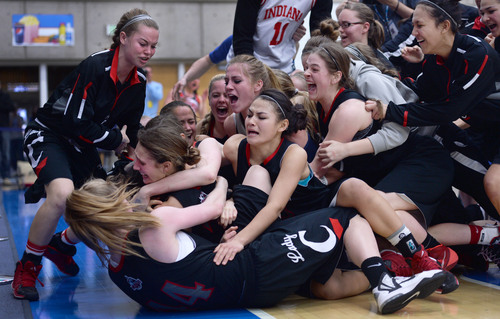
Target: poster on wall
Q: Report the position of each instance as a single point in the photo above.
(43, 30)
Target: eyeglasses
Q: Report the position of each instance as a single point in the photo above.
(346, 25)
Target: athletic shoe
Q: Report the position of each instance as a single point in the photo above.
(491, 253)
(394, 293)
(421, 261)
(61, 255)
(450, 284)
(446, 257)
(24, 283)
(396, 263)
(470, 257)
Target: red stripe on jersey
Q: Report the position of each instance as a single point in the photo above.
(270, 157)
(85, 90)
(74, 86)
(327, 115)
(466, 66)
(40, 166)
(483, 65)
(85, 139)
(247, 154)
(337, 228)
(405, 118)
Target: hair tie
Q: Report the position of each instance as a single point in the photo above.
(331, 56)
(435, 5)
(135, 19)
(273, 100)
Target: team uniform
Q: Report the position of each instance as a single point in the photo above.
(420, 169)
(211, 125)
(84, 113)
(265, 28)
(210, 230)
(463, 86)
(310, 193)
(302, 247)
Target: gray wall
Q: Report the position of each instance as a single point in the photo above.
(188, 29)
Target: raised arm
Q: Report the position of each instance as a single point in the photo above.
(161, 242)
(245, 23)
(197, 69)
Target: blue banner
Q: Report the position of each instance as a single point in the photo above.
(43, 30)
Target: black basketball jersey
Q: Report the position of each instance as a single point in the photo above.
(272, 267)
(210, 230)
(193, 283)
(314, 195)
(342, 96)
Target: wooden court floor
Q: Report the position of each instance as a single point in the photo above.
(91, 294)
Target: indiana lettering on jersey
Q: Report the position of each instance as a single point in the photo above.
(284, 11)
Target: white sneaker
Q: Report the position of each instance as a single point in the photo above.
(394, 293)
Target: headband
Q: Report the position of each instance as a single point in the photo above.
(333, 59)
(135, 19)
(355, 51)
(272, 99)
(440, 9)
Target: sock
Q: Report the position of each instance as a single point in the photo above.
(482, 235)
(374, 269)
(65, 239)
(35, 249)
(430, 242)
(404, 241)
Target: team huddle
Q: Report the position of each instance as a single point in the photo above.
(325, 182)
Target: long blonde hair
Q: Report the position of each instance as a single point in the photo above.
(256, 70)
(100, 215)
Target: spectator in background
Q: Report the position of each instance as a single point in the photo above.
(6, 107)
(358, 23)
(390, 13)
(154, 94)
(203, 64)
(266, 29)
(16, 140)
(189, 95)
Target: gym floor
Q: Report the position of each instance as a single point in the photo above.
(91, 294)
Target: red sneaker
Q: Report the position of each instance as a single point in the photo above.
(446, 257)
(421, 261)
(61, 255)
(396, 263)
(24, 283)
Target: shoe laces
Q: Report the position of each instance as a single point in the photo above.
(491, 253)
(421, 261)
(29, 274)
(396, 263)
